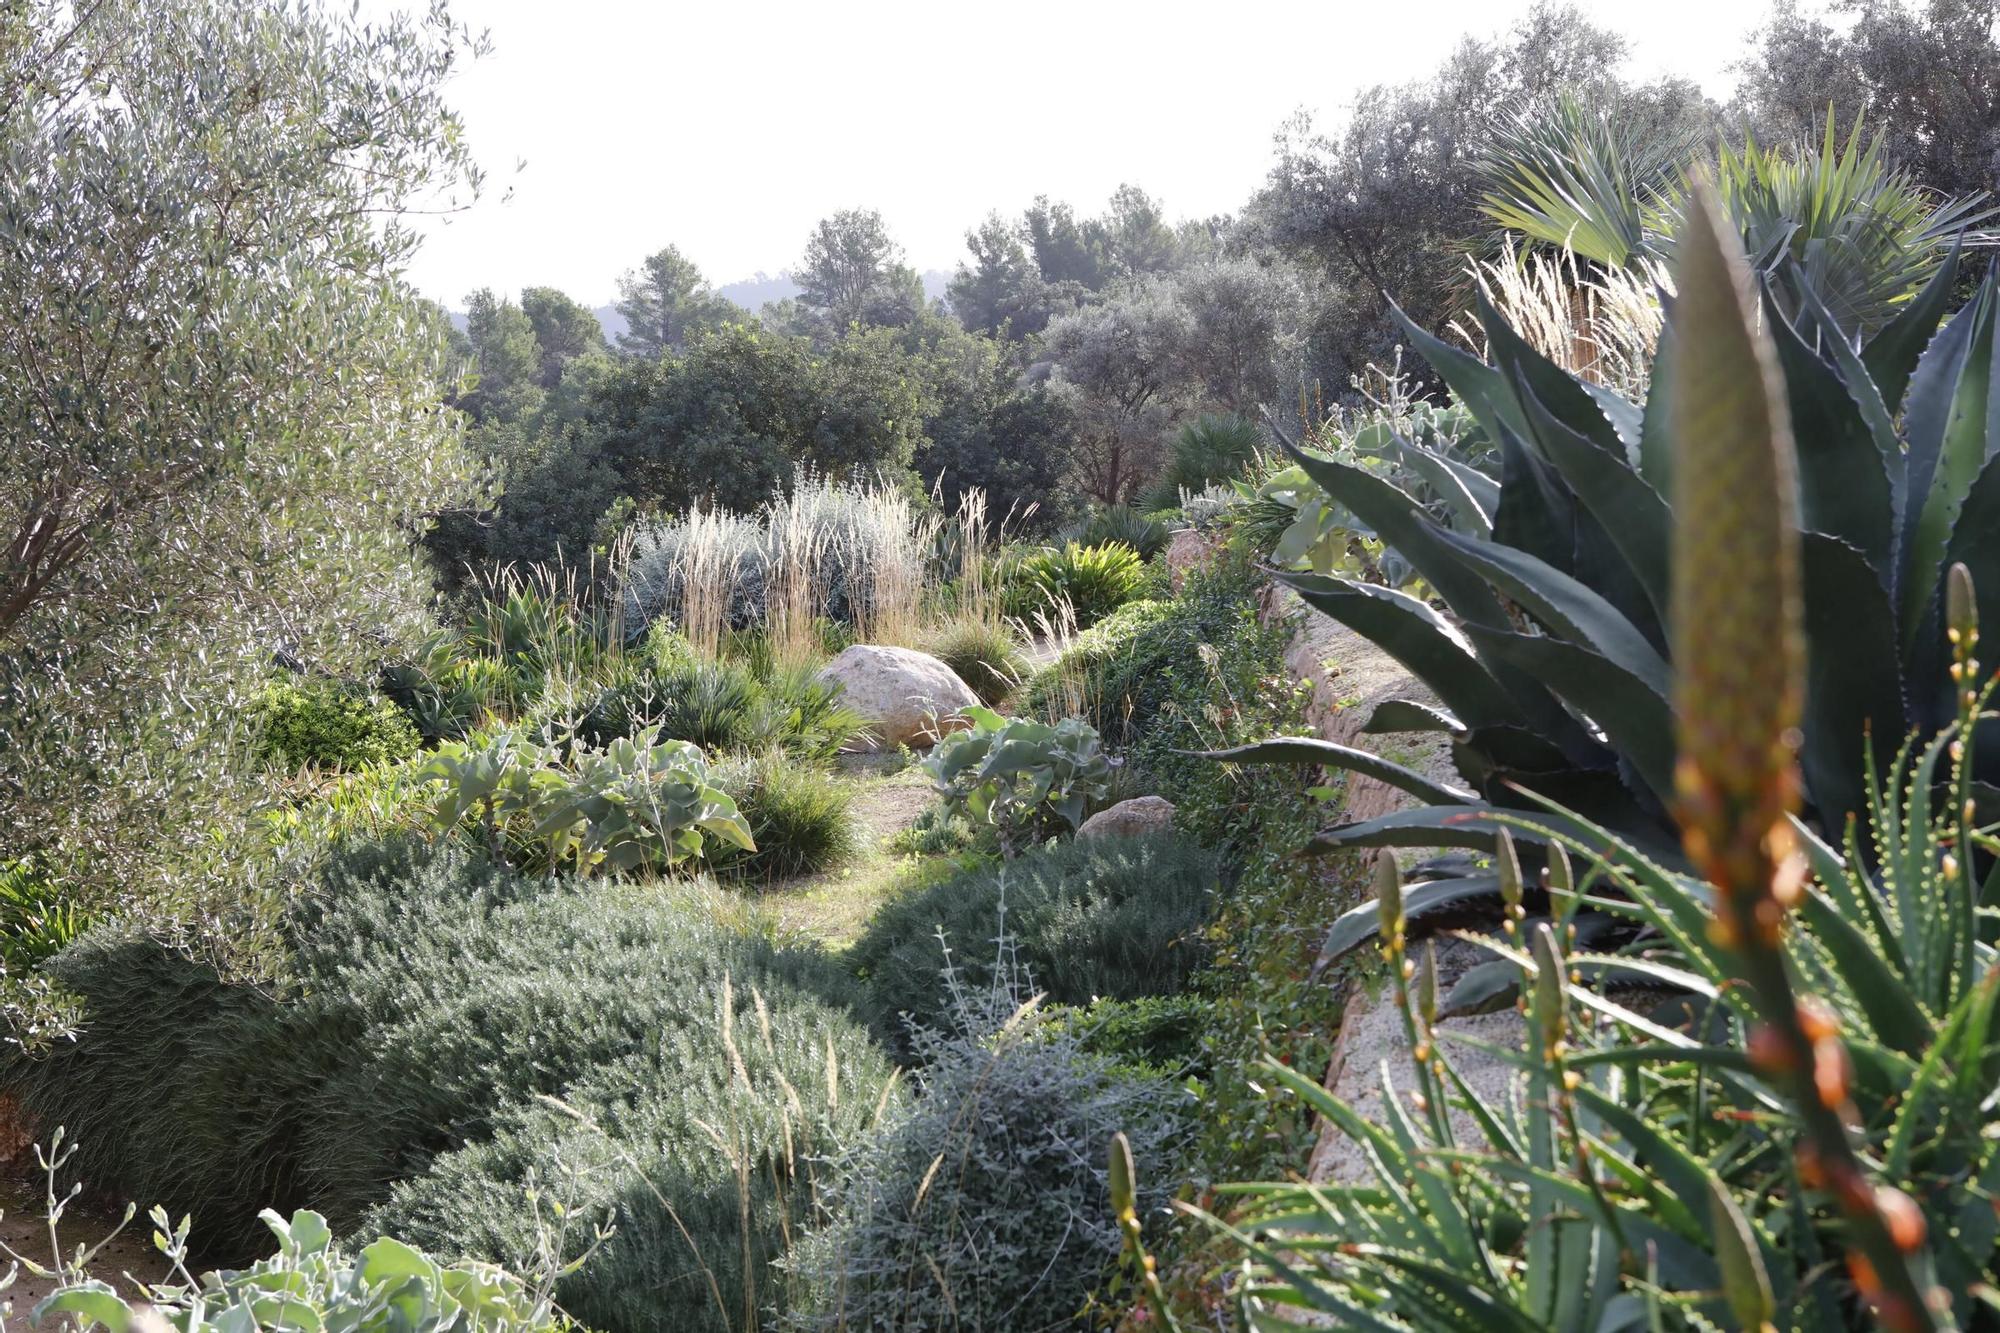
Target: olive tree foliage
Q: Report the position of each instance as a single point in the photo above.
(1024, 273)
(219, 398)
(1381, 204)
(1115, 366)
(1926, 76)
(1223, 335)
(666, 301)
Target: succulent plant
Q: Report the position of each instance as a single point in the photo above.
(1548, 649)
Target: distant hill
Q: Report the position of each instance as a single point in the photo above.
(752, 293)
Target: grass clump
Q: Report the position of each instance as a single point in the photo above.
(801, 818)
(1118, 917)
(985, 655)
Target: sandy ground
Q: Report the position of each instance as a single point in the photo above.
(128, 1259)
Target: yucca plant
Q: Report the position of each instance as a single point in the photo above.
(1550, 659)
(1804, 1138)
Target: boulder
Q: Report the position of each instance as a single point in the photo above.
(1187, 549)
(1141, 814)
(909, 698)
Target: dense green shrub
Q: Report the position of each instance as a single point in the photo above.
(985, 656)
(1090, 581)
(431, 998)
(1160, 1033)
(316, 722)
(983, 1204)
(1119, 917)
(800, 817)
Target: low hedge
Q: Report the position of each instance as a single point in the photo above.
(1117, 917)
(432, 1002)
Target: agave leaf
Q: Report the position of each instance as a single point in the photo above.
(1400, 715)
(1312, 750)
(1893, 352)
(1633, 713)
(1402, 523)
(1484, 989)
(1480, 387)
(1536, 513)
(1844, 488)
(1975, 543)
(1450, 486)
(1472, 827)
(1564, 606)
(1656, 446)
(1854, 677)
(1422, 640)
(1633, 515)
(1422, 904)
(1948, 433)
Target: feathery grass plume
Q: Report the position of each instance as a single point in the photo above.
(1601, 326)
(1739, 691)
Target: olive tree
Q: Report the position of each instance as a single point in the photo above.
(220, 414)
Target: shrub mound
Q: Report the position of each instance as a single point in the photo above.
(983, 1203)
(311, 722)
(1119, 917)
(432, 1000)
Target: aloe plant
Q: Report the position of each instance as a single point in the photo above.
(1548, 652)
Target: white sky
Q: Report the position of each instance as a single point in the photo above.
(729, 127)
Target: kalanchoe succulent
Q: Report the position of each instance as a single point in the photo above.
(1022, 777)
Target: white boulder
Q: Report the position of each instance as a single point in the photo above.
(909, 698)
(1141, 814)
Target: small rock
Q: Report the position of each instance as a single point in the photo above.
(908, 697)
(1141, 814)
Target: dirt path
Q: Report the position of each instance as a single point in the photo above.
(834, 906)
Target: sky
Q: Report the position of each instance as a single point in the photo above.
(729, 127)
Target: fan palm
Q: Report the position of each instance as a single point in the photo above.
(1862, 236)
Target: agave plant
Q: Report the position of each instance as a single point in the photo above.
(1848, 229)
(1803, 1136)
(1549, 660)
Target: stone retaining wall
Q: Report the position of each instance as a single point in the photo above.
(1349, 677)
